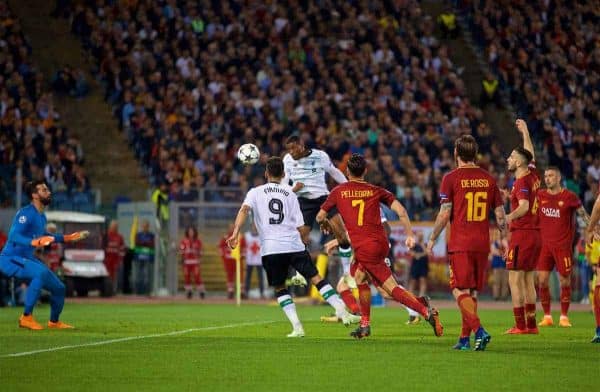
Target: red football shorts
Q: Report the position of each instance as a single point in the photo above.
(370, 258)
(523, 250)
(468, 270)
(562, 257)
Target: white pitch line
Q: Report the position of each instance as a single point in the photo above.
(156, 335)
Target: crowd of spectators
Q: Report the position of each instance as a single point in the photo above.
(547, 58)
(192, 80)
(31, 136)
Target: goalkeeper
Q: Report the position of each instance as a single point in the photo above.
(27, 232)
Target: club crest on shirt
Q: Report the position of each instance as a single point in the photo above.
(560, 203)
(22, 219)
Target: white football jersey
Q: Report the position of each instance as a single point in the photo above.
(310, 171)
(277, 216)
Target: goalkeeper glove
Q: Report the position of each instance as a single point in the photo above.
(77, 236)
(40, 242)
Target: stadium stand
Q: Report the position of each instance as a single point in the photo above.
(31, 134)
(547, 58)
(190, 81)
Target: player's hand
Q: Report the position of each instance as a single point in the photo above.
(429, 248)
(232, 241)
(297, 186)
(410, 241)
(40, 242)
(522, 126)
(77, 236)
(330, 246)
(325, 226)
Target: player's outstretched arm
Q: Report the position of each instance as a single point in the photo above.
(336, 174)
(240, 219)
(399, 209)
(523, 130)
(442, 219)
(77, 236)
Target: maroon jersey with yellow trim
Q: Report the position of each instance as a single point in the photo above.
(474, 194)
(557, 218)
(358, 204)
(526, 188)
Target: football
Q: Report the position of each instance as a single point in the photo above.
(248, 154)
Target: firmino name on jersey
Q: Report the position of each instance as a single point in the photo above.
(474, 183)
(271, 189)
(551, 212)
(356, 194)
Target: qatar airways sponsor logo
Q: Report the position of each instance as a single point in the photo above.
(551, 212)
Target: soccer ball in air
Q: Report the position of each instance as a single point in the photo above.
(248, 154)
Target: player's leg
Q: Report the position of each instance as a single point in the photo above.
(303, 264)
(530, 300)
(57, 300)
(564, 267)
(596, 338)
(544, 266)
(364, 299)
(544, 290)
(516, 283)
(276, 266)
(346, 294)
(19, 268)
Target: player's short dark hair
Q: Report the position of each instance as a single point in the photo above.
(31, 186)
(525, 153)
(357, 164)
(466, 148)
(554, 168)
(292, 139)
(275, 167)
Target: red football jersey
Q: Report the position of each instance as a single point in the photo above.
(557, 219)
(191, 250)
(526, 188)
(115, 246)
(474, 194)
(358, 205)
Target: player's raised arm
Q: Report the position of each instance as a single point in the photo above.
(334, 172)
(240, 219)
(442, 219)
(523, 130)
(399, 209)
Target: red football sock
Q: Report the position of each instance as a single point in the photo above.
(519, 317)
(468, 310)
(545, 299)
(364, 298)
(350, 301)
(465, 330)
(597, 305)
(530, 316)
(565, 300)
(408, 299)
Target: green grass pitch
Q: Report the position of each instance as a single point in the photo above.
(201, 347)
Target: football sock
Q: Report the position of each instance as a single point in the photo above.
(364, 298)
(331, 296)
(289, 308)
(545, 299)
(530, 316)
(519, 317)
(350, 301)
(469, 313)
(565, 300)
(408, 299)
(345, 254)
(597, 305)
(411, 312)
